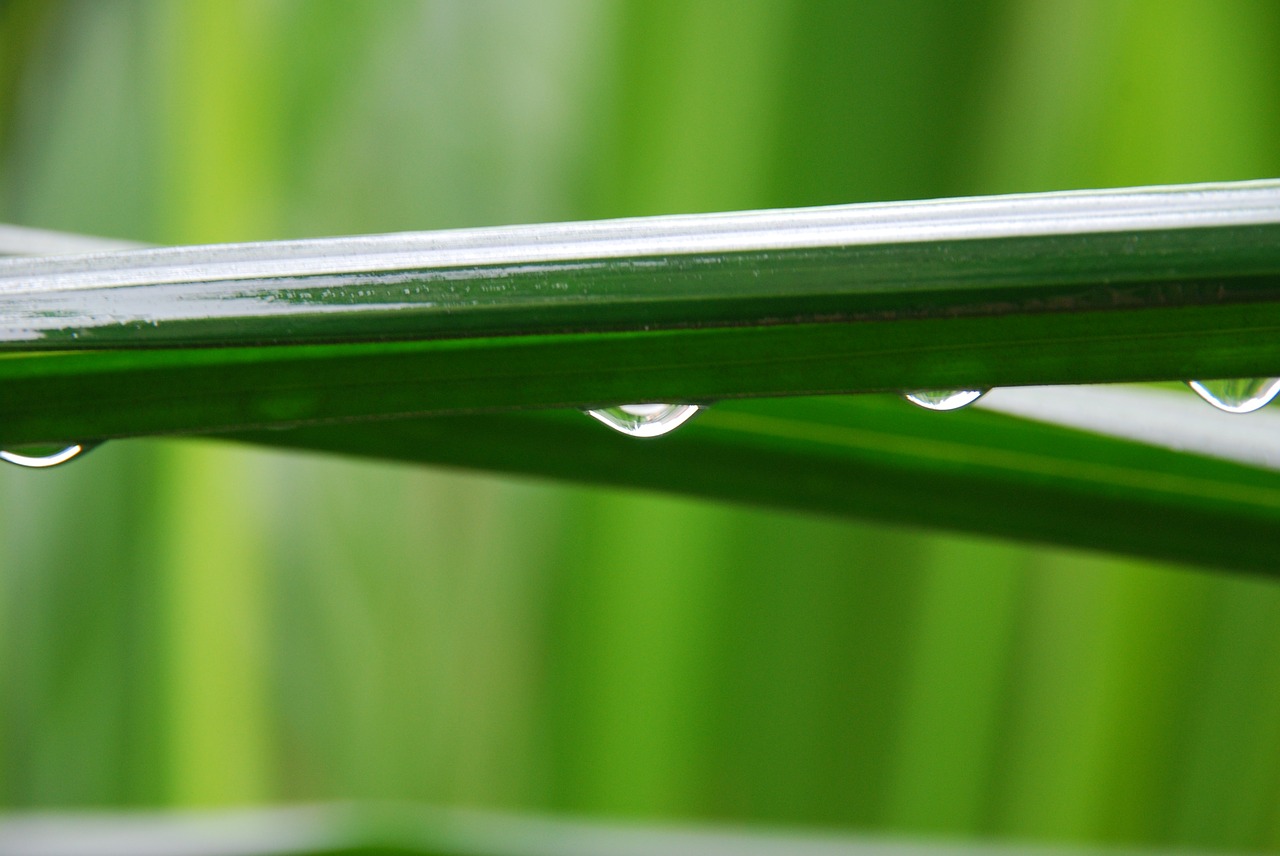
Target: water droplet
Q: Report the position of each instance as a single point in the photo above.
(944, 399)
(645, 420)
(1237, 395)
(38, 457)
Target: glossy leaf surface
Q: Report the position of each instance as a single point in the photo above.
(1151, 284)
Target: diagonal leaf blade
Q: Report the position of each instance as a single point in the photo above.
(878, 458)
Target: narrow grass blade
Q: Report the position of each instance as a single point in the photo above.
(1144, 284)
(880, 458)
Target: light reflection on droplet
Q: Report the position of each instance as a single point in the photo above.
(1237, 395)
(944, 399)
(645, 420)
(44, 461)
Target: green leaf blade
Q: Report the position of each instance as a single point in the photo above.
(881, 459)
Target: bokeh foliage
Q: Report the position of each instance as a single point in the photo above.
(192, 624)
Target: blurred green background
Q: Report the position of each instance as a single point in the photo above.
(189, 623)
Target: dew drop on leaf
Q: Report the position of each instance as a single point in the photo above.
(43, 457)
(645, 420)
(1237, 395)
(944, 399)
